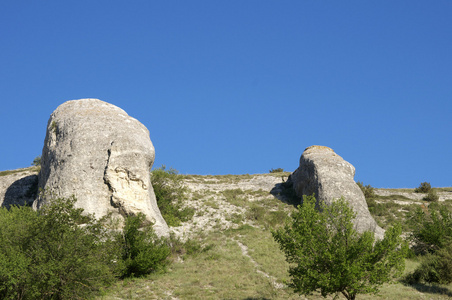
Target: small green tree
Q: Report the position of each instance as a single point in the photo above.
(368, 190)
(424, 187)
(170, 193)
(327, 254)
(432, 227)
(142, 251)
(434, 268)
(37, 161)
(55, 253)
(432, 196)
(277, 170)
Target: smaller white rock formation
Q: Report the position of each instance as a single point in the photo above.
(327, 175)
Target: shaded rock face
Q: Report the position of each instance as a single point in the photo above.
(18, 188)
(327, 175)
(98, 153)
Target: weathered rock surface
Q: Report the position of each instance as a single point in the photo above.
(97, 152)
(327, 175)
(19, 187)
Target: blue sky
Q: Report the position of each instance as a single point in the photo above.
(235, 87)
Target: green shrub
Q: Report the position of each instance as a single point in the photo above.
(265, 217)
(435, 268)
(170, 194)
(141, 250)
(424, 187)
(49, 255)
(256, 213)
(432, 196)
(37, 161)
(277, 170)
(326, 254)
(432, 227)
(368, 190)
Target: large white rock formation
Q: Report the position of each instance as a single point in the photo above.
(327, 175)
(97, 152)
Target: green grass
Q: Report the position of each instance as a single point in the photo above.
(236, 197)
(220, 273)
(393, 197)
(437, 189)
(217, 179)
(212, 203)
(29, 169)
(223, 272)
(443, 189)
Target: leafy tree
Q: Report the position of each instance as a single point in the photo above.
(435, 268)
(424, 187)
(170, 193)
(37, 161)
(15, 238)
(368, 190)
(432, 227)
(49, 254)
(327, 254)
(142, 251)
(432, 196)
(277, 170)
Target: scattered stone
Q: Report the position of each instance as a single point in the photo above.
(98, 153)
(327, 175)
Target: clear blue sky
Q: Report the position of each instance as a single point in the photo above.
(235, 87)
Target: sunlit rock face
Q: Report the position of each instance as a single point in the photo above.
(97, 152)
(327, 175)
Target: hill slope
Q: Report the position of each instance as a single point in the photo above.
(230, 253)
(235, 254)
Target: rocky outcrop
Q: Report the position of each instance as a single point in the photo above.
(18, 187)
(327, 175)
(98, 153)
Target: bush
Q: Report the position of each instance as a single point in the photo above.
(368, 190)
(424, 187)
(141, 250)
(432, 227)
(170, 194)
(435, 268)
(277, 170)
(37, 161)
(327, 254)
(432, 196)
(267, 218)
(49, 255)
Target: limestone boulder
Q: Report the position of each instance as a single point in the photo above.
(18, 187)
(97, 152)
(327, 175)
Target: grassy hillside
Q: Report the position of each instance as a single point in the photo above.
(232, 255)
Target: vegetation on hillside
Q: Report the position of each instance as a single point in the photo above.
(326, 253)
(236, 258)
(170, 194)
(60, 252)
(432, 237)
(368, 190)
(424, 187)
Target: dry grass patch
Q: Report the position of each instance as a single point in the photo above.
(220, 273)
(30, 169)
